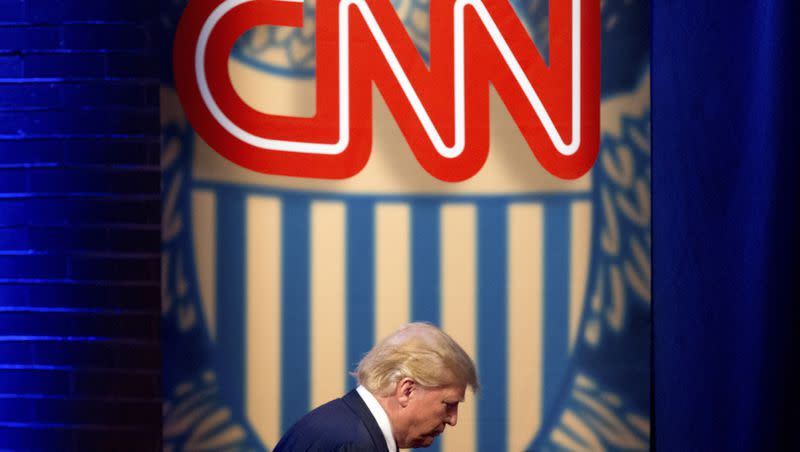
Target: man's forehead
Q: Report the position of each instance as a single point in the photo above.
(454, 392)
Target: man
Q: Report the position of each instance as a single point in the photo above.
(410, 385)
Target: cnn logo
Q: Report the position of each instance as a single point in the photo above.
(441, 110)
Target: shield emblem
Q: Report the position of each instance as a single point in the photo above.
(276, 286)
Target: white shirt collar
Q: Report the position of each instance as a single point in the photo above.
(380, 416)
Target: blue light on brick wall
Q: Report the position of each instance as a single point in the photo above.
(79, 225)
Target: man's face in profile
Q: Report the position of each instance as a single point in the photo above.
(427, 414)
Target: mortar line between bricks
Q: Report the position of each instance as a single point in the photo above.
(93, 311)
(136, 138)
(119, 108)
(111, 167)
(136, 23)
(52, 51)
(132, 80)
(99, 196)
(90, 339)
(79, 282)
(140, 25)
(79, 369)
(88, 427)
(82, 252)
(150, 227)
(111, 226)
(125, 82)
(29, 396)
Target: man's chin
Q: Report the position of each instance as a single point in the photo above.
(424, 441)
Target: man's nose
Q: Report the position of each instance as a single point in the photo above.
(452, 417)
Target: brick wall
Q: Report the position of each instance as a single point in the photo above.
(79, 225)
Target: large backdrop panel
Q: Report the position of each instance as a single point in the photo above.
(275, 286)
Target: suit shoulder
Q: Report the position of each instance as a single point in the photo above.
(329, 427)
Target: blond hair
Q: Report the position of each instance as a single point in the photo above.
(419, 351)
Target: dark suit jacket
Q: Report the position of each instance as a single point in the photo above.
(344, 424)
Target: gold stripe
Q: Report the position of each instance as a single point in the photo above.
(458, 271)
(392, 257)
(328, 373)
(579, 264)
(264, 317)
(204, 213)
(524, 323)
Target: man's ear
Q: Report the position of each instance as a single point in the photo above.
(403, 391)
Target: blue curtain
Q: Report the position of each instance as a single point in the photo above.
(725, 179)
